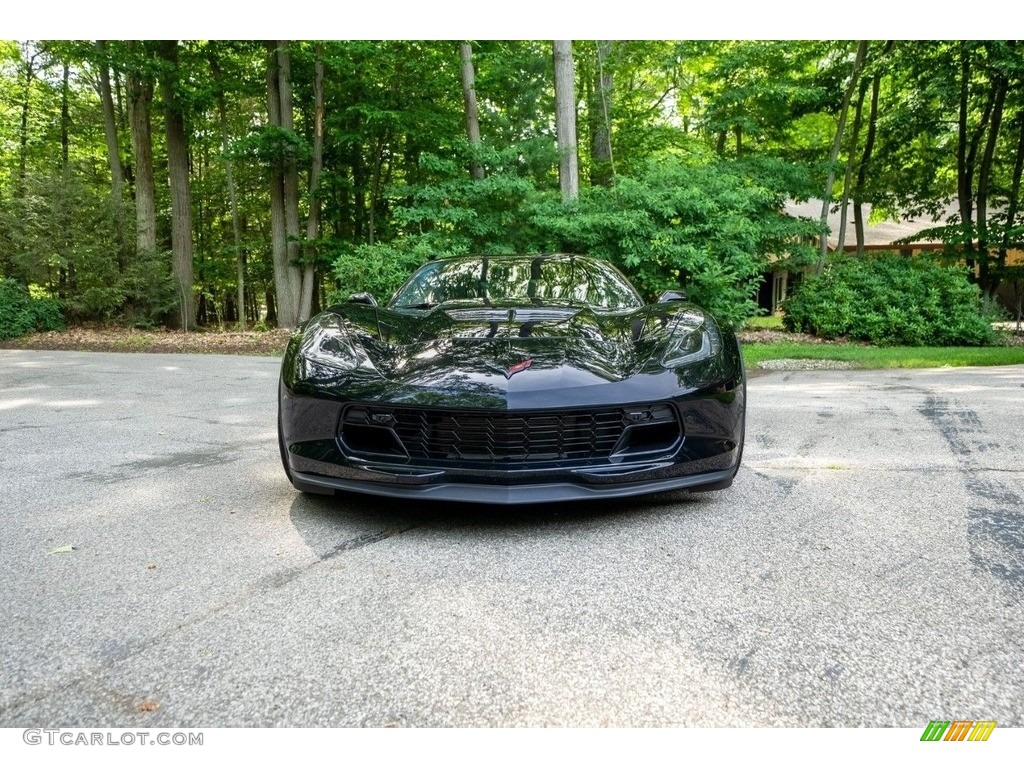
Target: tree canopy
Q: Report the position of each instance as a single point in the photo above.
(212, 182)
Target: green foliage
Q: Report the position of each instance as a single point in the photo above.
(890, 300)
(707, 227)
(62, 234)
(21, 313)
(747, 95)
(708, 138)
(272, 147)
(379, 269)
(456, 214)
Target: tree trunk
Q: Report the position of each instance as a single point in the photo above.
(985, 278)
(858, 114)
(140, 97)
(963, 174)
(65, 118)
(178, 173)
(123, 127)
(1013, 202)
(291, 182)
(603, 167)
(967, 155)
(376, 182)
(229, 177)
(278, 237)
(836, 144)
(472, 114)
(1012, 207)
(565, 121)
(23, 138)
(313, 223)
(113, 152)
(62, 235)
(110, 130)
(200, 168)
(359, 184)
(271, 307)
(865, 158)
(284, 193)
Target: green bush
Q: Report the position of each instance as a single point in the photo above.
(890, 299)
(706, 228)
(20, 313)
(701, 224)
(379, 269)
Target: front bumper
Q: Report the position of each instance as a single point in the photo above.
(705, 458)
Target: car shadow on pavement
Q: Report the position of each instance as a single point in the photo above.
(346, 521)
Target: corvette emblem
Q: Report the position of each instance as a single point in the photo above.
(514, 369)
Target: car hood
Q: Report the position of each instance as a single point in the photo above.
(503, 342)
(478, 356)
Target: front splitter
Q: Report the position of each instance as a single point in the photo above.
(540, 493)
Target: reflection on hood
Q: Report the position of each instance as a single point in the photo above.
(426, 346)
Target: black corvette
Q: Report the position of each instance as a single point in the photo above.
(512, 379)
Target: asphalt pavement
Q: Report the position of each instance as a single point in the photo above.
(865, 569)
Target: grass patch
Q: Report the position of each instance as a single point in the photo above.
(862, 356)
(767, 323)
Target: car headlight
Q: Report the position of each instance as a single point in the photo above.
(327, 341)
(691, 346)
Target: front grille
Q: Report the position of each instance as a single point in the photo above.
(442, 436)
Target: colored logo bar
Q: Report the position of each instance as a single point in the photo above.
(958, 730)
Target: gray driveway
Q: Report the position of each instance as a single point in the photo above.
(867, 568)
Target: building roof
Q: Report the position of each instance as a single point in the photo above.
(876, 233)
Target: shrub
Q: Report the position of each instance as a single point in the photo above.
(20, 313)
(888, 300)
(379, 269)
(707, 227)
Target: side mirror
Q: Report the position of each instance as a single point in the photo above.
(362, 298)
(674, 295)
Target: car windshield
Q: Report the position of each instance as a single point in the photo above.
(537, 280)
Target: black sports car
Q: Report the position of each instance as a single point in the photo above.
(512, 379)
